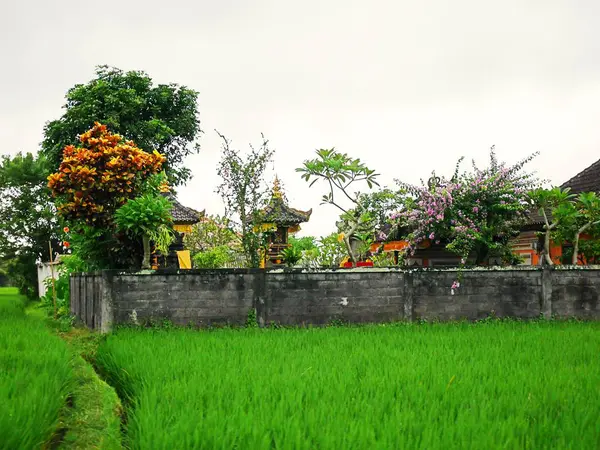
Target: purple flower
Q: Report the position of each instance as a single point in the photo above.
(476, 209)
(432, 236)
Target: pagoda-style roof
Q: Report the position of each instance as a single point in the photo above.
(182, 214)
(278, 212)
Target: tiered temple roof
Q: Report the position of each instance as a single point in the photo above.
(278, 212)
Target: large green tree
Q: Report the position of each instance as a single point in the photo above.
(28, 220)
(160, 117)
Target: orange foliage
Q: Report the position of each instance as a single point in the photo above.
(100, 176)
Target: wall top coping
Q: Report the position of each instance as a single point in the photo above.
(356, 270)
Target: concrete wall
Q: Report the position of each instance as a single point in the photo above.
(504, 293)
(198, 297)
(575, 294)
(319, 297)
(46, 271)
(297, 297)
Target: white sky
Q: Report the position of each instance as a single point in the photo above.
(406, 86)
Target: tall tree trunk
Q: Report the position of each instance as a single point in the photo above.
(349, 249)
(547, 248)
(549, 228)
(146, 244)
(576, 243)
(347, 237)
(575, 249)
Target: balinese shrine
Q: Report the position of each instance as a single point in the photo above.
(183, 220)
(280, 221)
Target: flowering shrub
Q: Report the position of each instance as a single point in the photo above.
(474, 213)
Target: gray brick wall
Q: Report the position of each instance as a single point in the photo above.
(318, 298)
(208, 297)
(504, 293)
(575, 293)
(199, 298)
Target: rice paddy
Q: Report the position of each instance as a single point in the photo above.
(499, 384)
(488, 385)
(35, 376)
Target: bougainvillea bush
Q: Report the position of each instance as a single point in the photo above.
(94, 180)
(474, 213)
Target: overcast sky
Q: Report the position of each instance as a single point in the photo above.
(406, 86)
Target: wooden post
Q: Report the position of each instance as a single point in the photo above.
(52, 276)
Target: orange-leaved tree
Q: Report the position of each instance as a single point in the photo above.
(98, 177)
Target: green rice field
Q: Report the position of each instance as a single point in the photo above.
(35, 376)
(435, 386)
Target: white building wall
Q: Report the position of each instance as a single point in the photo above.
(44, 272)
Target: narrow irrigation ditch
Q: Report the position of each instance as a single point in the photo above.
(93, 414)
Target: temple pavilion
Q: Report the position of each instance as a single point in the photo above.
(281, 221)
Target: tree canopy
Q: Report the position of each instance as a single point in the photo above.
(160, 117)
(28, 221)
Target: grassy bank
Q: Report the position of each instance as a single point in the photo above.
(50, 396)
(36, 376)
(93, 420)
(493, 385)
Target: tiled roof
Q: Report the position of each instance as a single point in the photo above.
(278, 212)
(587, 180)
(182, 214)
(535, 218)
